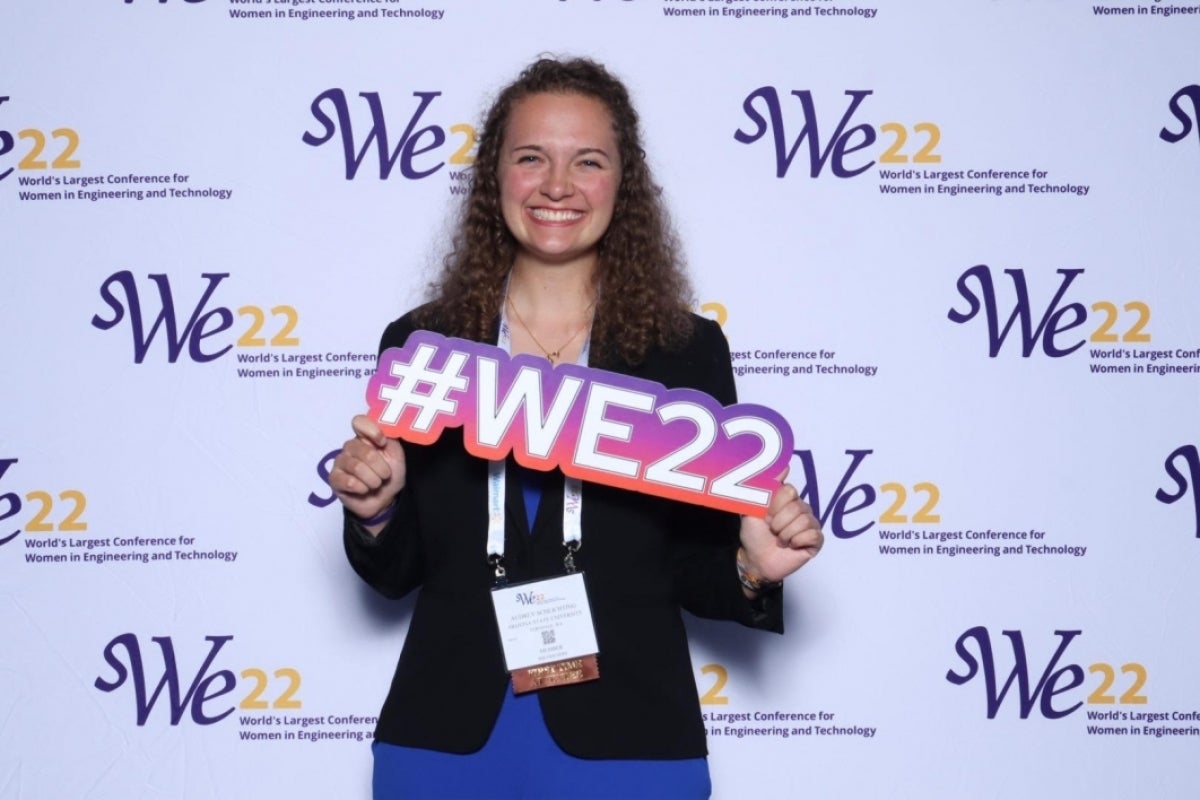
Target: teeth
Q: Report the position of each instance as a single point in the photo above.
(555, 215)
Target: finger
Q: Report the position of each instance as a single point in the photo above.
(780, 498)
(372, 470)
(368, 430)
(377, 460)
(803, 531)
(356, 453)
(807, 539)
(785, 517)
(364, 463)
(344, 483)
(393, 453)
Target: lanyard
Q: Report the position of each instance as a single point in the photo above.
(572, 487)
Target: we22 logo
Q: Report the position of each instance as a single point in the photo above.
(201, 699)
(1053, 681)
(1052, 329)
(413, 152)
(1187, 123)
(44, 519)
(843, 142)
(1184, 482)
(847, 499)
(203, 323)
(35, 158)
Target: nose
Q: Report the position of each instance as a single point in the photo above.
(557, 182)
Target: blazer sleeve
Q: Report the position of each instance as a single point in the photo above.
(704, 541)
(392, 563)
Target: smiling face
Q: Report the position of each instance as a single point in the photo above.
(559, 173)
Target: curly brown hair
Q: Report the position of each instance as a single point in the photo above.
(643, 294)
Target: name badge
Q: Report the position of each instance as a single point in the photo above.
(547, 633)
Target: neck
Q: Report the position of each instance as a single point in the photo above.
(552, 309)
(556, 292)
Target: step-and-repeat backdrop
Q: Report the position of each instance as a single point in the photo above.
(953, 242)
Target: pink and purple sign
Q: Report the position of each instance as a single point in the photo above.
(592, 424)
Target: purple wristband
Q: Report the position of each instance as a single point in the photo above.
(380, 518)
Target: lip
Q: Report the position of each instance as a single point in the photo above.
(555, 216)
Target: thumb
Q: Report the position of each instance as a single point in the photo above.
(369, 431)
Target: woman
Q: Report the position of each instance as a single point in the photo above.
(563, 252)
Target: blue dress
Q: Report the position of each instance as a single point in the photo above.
(522, 761)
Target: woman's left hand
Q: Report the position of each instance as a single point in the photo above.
(787, 539)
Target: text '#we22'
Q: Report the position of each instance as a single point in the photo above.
(592, 424)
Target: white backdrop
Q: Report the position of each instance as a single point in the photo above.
(849, 179)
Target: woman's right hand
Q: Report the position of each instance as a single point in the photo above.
(369, 472)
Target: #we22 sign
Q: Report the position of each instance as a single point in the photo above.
(592, 424)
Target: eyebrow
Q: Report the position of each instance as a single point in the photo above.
(583, 151)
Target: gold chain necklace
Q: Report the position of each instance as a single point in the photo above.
(554, 355)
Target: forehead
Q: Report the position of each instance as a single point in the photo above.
(549, 117)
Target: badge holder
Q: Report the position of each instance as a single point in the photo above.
(546, 628)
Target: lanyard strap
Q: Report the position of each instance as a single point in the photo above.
(572, 487)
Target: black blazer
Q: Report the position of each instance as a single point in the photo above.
(644, 558)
